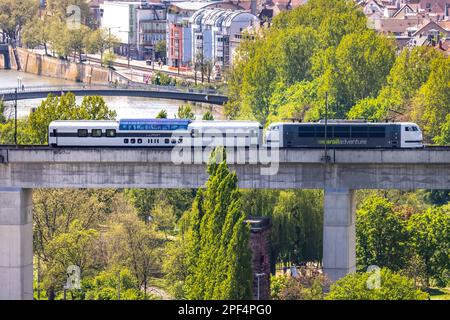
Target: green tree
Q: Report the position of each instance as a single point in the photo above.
(431, 105)
(363, 286)
(59, 38)
(160, 49)
(76, 247)
(380, 234)
(65, 108)
(99, 41)
(144, 200)
(218, 256)
(54, 212)
(162, 115)
(303, 287)
(355, 70)
(163, 217)
(332, 19)
(444, 136)
(297, 227)
(36, 33)
(321, 48)
(409, 72)
(15, 14)
(108, 59)
(208, 116)
(429, 238)
(134, 245)
(78, 39)
(59, 8)
(106, 286)
(437, 197)
(185, 112)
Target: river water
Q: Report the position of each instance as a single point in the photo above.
(125, 107)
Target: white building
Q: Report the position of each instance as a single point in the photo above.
(216, 34)
(138, 26)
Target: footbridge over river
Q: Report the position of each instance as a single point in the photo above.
(144, 91)
(339, 174)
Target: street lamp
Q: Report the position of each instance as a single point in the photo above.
(19, 84)
(15, 118)
(259, 275)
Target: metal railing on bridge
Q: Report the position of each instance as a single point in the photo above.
(111, 86)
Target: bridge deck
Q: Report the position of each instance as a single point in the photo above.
(427, 168)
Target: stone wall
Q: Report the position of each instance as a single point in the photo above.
(56, 68)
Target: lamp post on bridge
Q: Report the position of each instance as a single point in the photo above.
(15, 118)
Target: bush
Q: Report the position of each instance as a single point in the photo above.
(303, 287)
(364, 286)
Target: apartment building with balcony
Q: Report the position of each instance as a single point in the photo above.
(179, 35)
(216, 34)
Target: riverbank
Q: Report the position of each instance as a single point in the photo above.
(42, 65)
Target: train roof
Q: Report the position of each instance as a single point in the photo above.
(77, 123)
(155, 121)
(343, 123)
(224, 123)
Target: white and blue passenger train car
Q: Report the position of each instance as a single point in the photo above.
(154, 133)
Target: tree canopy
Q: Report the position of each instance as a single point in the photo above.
(376, 285)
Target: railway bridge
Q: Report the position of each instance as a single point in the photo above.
(339, 173)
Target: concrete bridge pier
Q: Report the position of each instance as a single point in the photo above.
(16, 244)
(339, 240)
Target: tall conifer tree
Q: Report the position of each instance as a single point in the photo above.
(218, 257)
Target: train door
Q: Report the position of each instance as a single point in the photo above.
(394, 136)
(54, 138)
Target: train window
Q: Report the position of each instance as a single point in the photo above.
(82, 133)
(167, 140)
(306, 131)
(180, 140)
(96, 133)
(133, 140)
(413, 128)
(174, 141)
(320, 131)
(359, 132)
(195, 133)
(126, 141)
(377, 131)
(111, 133)
(139, 141)
(342, 131)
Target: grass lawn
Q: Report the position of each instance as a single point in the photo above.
(440, 293)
